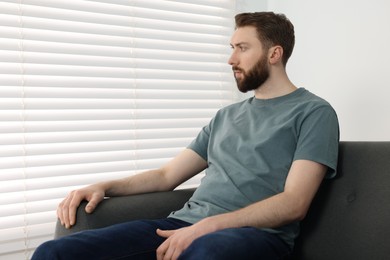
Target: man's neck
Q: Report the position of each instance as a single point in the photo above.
(275, 87)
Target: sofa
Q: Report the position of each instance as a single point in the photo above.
(348, 219)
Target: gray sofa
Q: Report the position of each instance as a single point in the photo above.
(349, 218)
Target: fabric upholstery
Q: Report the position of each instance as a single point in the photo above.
(350, 217)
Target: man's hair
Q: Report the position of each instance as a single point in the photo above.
(272, 29)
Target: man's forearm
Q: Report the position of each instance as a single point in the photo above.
(149, 181)
(181, 168)
(269, 213)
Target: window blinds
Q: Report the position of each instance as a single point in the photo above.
(97, 90)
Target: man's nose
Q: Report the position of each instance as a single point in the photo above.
(233, 59)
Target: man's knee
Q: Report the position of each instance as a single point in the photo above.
(49, 250)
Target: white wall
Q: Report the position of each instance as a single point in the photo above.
(342, 54)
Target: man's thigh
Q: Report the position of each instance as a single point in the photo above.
(130, 240)
(238, 243)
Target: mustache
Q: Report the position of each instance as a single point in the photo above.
(236, 68)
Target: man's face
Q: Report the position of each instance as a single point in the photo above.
(248, 60)
(254, 78)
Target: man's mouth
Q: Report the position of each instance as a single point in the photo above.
(237, 72)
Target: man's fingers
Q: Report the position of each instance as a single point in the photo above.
(168, 249)
(90, 207)
(59, 215)
(62, 212)
(72, 215)
(93, 202)
(67, 209)
(165, 233)
(160, 252)
(74, 203)
(168, 255)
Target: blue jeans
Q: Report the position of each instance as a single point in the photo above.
(138, 240)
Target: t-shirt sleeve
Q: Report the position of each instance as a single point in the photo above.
(201, 142)
(319, 139)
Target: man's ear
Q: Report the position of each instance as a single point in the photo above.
(275, 54)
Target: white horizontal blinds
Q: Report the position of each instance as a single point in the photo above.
(95, 90)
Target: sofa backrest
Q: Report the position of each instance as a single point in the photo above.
(350, 215)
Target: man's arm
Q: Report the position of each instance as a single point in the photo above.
(291, 205)
(181, 168)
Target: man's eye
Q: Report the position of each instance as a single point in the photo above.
(243, 48)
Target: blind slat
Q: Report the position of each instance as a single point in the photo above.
(200, 61)
(98, 114)
(118, 47)
(99, 93)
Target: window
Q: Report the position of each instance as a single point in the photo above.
(97, 90)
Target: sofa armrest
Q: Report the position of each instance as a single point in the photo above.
(121, 209)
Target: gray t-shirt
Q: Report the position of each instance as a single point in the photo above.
(250, 146)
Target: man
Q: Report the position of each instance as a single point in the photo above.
(265, 158)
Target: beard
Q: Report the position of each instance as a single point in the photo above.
(255, 77)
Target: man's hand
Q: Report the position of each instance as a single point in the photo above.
(179, 240)
(67, 209)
